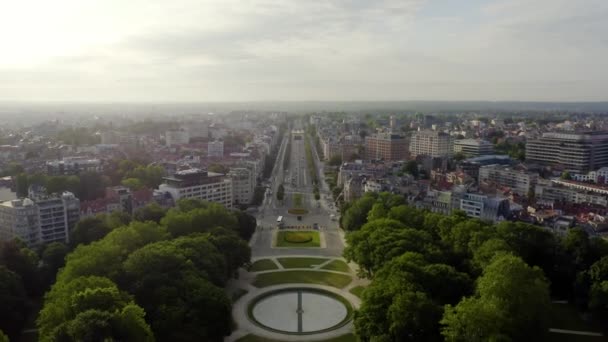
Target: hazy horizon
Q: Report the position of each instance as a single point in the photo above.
(292, 51)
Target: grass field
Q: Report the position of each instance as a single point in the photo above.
(253, 338)
(357, 291)
(304, 277)
(313, 242)
(297, 200)
(337, 265)
(300, 262)
(263, 265)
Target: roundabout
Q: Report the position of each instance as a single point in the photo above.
(299, 311)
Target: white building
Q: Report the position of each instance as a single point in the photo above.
(600, 176)
(39, 219)
(473, 147)
(215, 149)
(243, 184)
(481, 206)
(520, 182)
(431, 143)
(175, 138)
(199, 184)
(72, 166)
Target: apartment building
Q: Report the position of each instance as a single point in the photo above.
(553, 191)
(215, 149)
(481, 206)
(386, 146)
(243, 184)
(39, 219)
(575, 152)
(473, 147)
(72, 166)
(199, 184)
(520, 182)
(431, 143)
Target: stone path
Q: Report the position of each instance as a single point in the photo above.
(575, 332)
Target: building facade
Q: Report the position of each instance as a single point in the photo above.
(199, 184)
(243, 184)
(72, 166)
(386, 146)
(520, 182)
(473, 147)
(215, 149)
(39, 219)
(176, 138)
(575, 152)
(431, 143)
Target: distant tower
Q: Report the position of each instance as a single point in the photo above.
(393, 123)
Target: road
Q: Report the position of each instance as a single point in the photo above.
(296, 179)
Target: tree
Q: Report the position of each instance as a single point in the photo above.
(514, 300)
(53, 258)
(89, 229)
(404, 301)
(3, 337)
(377, 212)
(280, 192)
(335, 160)
(151, 212)
(356, 215)
(598, 277)
(172, 285)
(459, 156)
(13, 301)
(247, 224)
(219, 168)
(132, 183)
(24, 262)
(94, 310)
(565, 175)
(411, 167)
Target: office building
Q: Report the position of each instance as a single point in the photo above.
(39, 218)
(431, 143)
(215, 149)
(473, 147)
(575, 152)
(176, 138)
(386, 146)
(519, 181)
(481, 206)
(199, 184)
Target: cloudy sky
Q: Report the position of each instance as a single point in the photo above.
(258, 50)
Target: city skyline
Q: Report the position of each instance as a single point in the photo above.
(299, 51)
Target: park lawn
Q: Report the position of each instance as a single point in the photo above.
(297, 200)
(253, 338)
(263, 265)
(337, 265)
(300, 262)
(304, 277)
(314, 242)
(357, 290)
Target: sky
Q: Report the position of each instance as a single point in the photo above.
(294, 50)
